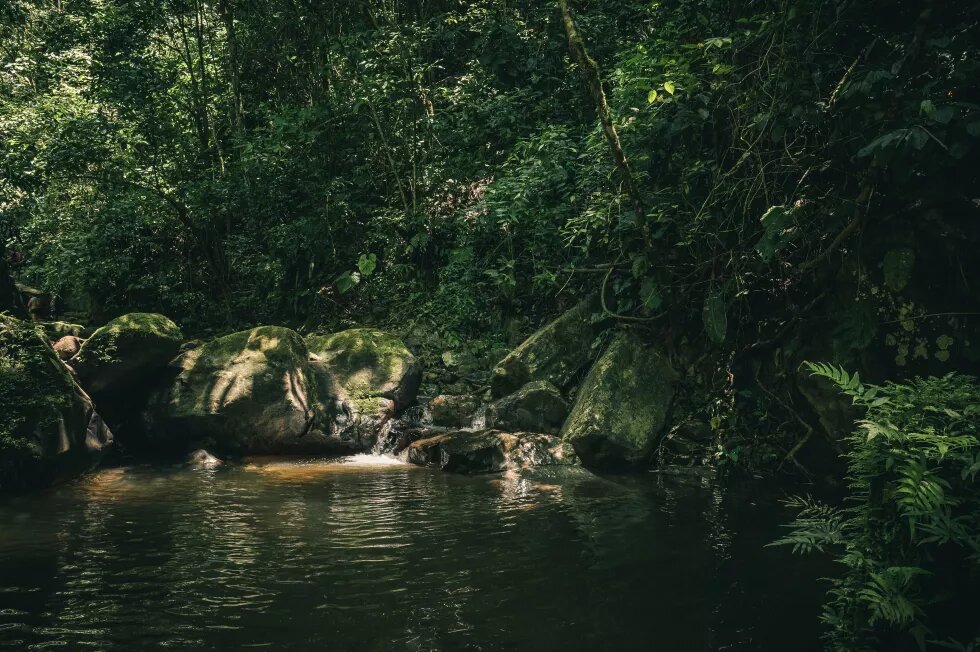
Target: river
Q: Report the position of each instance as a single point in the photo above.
(366, 553)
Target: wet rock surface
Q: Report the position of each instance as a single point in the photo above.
(490, 451)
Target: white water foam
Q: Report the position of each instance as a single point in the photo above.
(372, 459)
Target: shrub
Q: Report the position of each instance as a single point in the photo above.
(908, 536)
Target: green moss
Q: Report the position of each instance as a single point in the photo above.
(622, 406)
(264, 346)
(363, 360)
(278, 344)
(897, 266)
(555, 353)
(248, 391)
(125, 349)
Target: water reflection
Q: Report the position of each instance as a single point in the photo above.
(370, 554)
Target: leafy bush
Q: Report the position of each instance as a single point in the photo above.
(909, 535)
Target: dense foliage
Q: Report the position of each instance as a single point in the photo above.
(909, 537)
(750, 183)
(36, 393)
(232, 160)
(801, 173)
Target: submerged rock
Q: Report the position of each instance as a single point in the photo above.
(453, 410)
(67, 347)
(555, 353)
(537, 407)
(126, 351)
(622, 406)
(490, 451)
(365, 377)
(201, 459)
(49, 428)
(251, 392)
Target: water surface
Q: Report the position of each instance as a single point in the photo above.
(368, 554)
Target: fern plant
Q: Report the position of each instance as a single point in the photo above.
(908, 535)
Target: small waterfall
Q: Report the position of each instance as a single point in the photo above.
(479, 421)
(396, 434)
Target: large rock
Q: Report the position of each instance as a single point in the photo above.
(453, 410)
(622, 406)
(555, 353)
(248, 392)
(126, 351)
(49, 428)
(490, 451)
(537, 407)
(365, 377)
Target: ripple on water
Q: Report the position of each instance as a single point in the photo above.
(368, 553)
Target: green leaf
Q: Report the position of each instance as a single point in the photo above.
(670, 87)
(897, 266)
(715, 318)
(367, 263)
(346, 281)
(884, 141)
(640, 265)
(942, 115)
(779, 223)
(652, 96)
(650, 294)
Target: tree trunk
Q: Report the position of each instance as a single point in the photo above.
(237, 111)
(9, 300)
(590, 69)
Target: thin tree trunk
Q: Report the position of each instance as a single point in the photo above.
(237, 112)
(200, 117)
(210, 121)
(388, 155)
(590, 69)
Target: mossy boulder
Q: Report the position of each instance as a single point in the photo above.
(365, 378)
(622, 405)
(490, 451)
(126, 351)
(453, 410)
(247, 392)
(557, 353)
(537, 407)
(48, 426)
